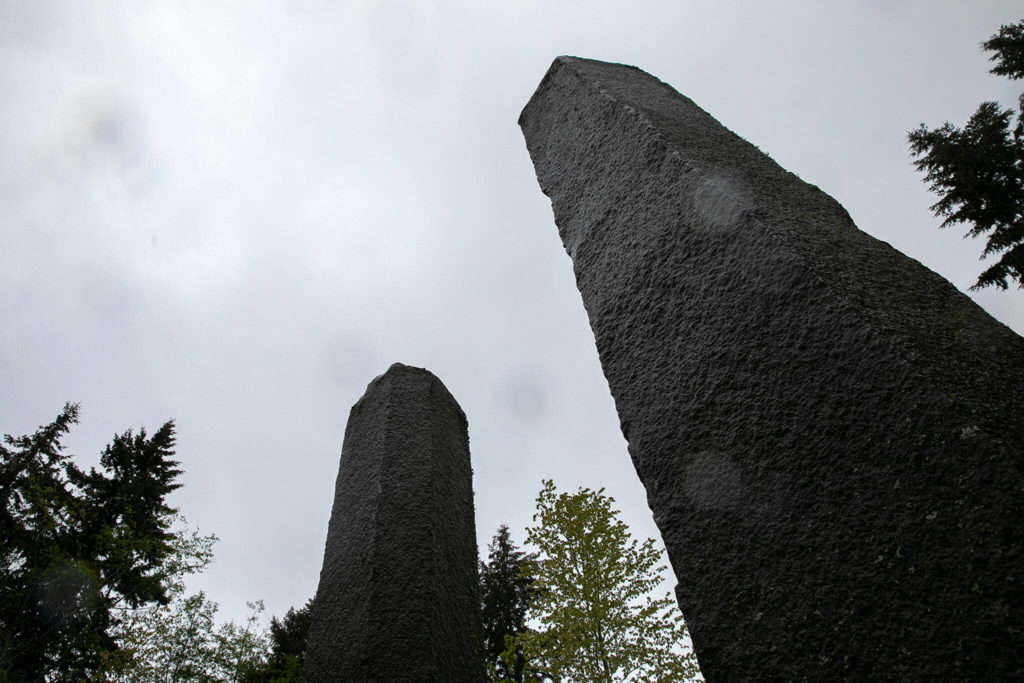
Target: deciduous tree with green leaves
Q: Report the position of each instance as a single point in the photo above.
(594, 617)
(978, 170)
(181, 640)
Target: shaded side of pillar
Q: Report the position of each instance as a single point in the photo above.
(831, 436)
(397, 599)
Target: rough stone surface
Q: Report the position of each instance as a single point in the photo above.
(397, 599)
(830, 434)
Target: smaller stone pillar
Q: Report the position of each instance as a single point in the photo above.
(398, 599)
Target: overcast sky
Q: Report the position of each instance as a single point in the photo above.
(236, 214)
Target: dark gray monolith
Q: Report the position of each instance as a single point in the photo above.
(397, 599)
(830, 434)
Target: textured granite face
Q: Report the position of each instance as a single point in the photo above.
(397, 599)
(830, 434)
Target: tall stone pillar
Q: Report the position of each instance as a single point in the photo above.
(397, 599)
(830, 434)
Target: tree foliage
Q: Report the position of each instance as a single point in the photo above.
(978, 171)
(1007, 48)
(287, 648)
(181, 640)
(75, 546)
(594, 617)
(505, 595)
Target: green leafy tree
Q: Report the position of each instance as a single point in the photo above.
(288, 647)
(181, 640)
(242, 648)
(151, 638)
(978, 171)
(76, 545)
(505, 595)
(594, 617)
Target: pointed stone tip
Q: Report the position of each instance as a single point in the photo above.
(399, 367)
(591, 70)
(567, 60)
(402, 368)
(393, 377)
(398, 370)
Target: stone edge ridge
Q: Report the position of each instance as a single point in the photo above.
(861, 304)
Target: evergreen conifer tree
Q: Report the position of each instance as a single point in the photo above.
(978, 170)
(75, 545)
(505, 595)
